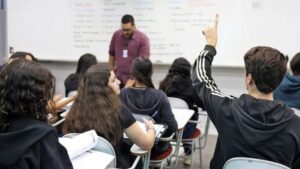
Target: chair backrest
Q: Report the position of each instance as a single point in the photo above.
(102, 145)
(181, 104)
(297, 111)
(252, 163)
(178, 103)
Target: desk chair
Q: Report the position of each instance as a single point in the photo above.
(297, 111)
(104, 146)
(58, 126)
(197, 134)
(161, 159)
(252, 163)
(57, 123)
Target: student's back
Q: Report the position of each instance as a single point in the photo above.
(84, 62)
(143, 98)
(31, 144)
(151, 102)
(289, 89)
(253, 125)
(27, 141)
(178, 84)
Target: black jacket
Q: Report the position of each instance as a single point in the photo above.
(247, 127)
(181, 87)
(71, 83)
(289, 91)
(147, 102)
(32, 144)
(154, 103)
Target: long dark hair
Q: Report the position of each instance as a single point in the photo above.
(25, 89)
(96, 107)
(181, 67)
(142, 71)
(84, 62)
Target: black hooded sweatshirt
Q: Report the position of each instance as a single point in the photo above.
(154, 103)
(32, 144)
(247, 127)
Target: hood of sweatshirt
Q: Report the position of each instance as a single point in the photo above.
(259, 120)
(142, 100)
(290, 84)
(19, 137)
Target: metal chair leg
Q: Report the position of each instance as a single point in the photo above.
(192, 155)
(200, 153)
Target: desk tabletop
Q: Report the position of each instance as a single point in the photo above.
(182, 116)
(64, 114)
(136, 150)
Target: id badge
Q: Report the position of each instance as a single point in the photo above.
(125, 53)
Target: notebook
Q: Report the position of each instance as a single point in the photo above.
(159, 128)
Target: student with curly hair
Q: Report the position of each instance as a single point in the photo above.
(178, 84)
(27, 141)
(98, 107)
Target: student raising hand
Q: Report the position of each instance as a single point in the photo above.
(210, 33)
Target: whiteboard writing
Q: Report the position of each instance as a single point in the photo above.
(63, 30)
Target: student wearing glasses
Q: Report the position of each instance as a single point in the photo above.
(126, 44)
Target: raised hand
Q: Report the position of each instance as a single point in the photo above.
(211, 34)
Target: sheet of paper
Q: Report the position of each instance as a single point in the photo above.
(80, 143)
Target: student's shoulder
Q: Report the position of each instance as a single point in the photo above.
(117, 33)
(32, 128)
(141, 35)
(71, 78)
(29, 123)
(124, 92)
(126, 117)
(156, 93)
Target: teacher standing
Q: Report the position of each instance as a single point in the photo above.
(126, 44)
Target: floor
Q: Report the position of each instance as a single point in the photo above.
(207, 154)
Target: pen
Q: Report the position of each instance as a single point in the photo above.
(154, 114)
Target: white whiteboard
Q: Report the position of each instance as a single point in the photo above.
(62, 30)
